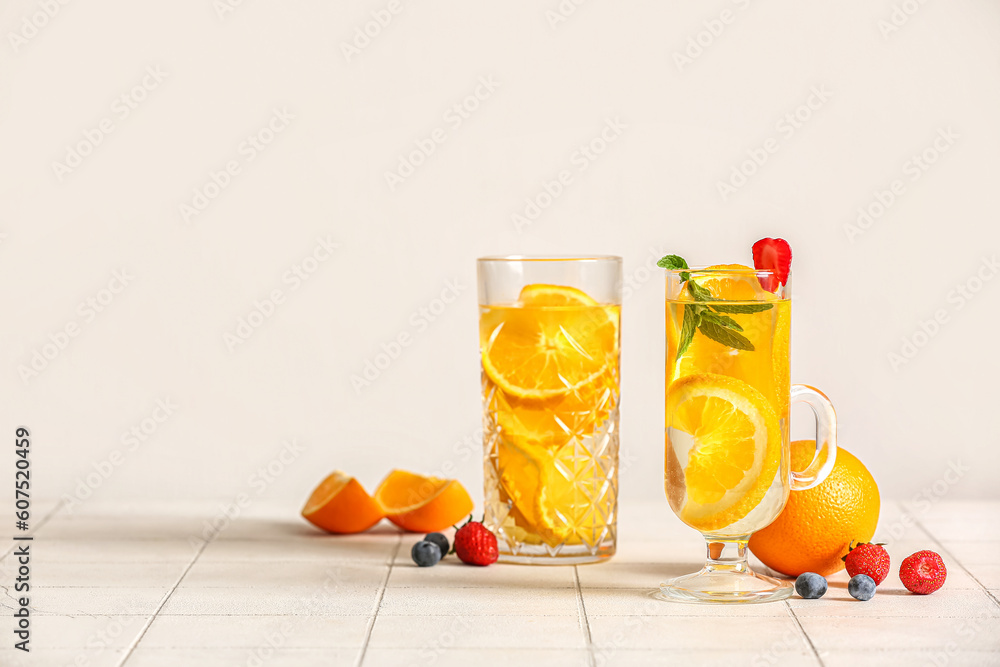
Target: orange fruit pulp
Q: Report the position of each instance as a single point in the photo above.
(422, 504)
(341, 505)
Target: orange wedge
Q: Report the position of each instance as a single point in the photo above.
(422, 504)
(341, 505)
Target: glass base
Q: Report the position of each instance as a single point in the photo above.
(725, 587)
(726, 578)
(565, 556)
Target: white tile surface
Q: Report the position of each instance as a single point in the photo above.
(100, 528)
(287, 600)
(254, 631)
(639, 602)
(265, 574)
(968, 520)
(241, 657)
(463, 657)
(434, 632)
(832, 635)
(61, 657)
(909, 658)
(111, 551)
(747, 634)
(349, 548)
(451, 573)
(945, 603)
(899, 521)
(100, 575)
(92, 601)
(973, 553)
(614, 656)
(525, 599)
(92, 632)
(622, 574)
(269, 588)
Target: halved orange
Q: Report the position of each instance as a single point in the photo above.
(555, 340)
(341, 505)
(422, 504)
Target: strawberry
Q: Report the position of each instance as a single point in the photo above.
(870, 559)
(773, 255)
(923, 572)
(475, 544)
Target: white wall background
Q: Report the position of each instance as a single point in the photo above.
(654, 190)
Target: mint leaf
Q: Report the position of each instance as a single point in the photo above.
(698, 292)
(692, 318)
(741, 307)
(725, 336)
(721, 320)
(674, 262)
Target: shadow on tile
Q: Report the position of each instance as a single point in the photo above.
(281, 529)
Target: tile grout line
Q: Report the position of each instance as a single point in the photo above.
(14, 543)
(41, 522)
(378, 602)
(809, 641)
(156, 612)
(956, 560)
(581, 609)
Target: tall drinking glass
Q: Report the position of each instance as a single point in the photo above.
(549, 340)
(728, 395)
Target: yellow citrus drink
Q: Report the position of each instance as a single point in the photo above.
(727, 400)
(550, 417)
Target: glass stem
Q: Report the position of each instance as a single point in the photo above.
(729, 555)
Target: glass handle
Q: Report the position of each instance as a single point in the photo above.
(826, 437)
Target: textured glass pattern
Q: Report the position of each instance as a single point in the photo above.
(553, 496)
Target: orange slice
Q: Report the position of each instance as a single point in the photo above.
(555, 422)
(725, 444)
(422, 504)
(733, 282)
(554, 341)
(555, 494)
(341, 505)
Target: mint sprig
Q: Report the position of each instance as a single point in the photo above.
(727, 337)
(721, 320)
(674, 262)
(698, 292)
(741, 307)
(692, 317)
(706, 318)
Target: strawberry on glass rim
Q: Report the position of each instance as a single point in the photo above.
(774, 255)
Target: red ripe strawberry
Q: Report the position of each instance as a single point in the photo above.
(773, 255)
(475, 544)
(870, 559)
(923, 572)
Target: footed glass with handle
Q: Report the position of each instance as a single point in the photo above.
(728, 398)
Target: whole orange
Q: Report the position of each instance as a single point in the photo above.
(817, 526)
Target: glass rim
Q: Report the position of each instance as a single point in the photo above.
(550, 258)
(706, 270)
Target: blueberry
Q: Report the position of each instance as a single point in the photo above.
(810, 585)
(440, 540)
(862, 587)
(425, 554)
